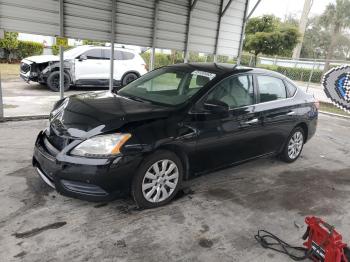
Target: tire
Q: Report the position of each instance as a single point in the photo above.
(148, 185)
(53, 81)
(294, 145)
(128, 78)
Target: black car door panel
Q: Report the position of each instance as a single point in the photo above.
(278, 114)
(232, 138)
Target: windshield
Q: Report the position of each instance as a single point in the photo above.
(73, 53)
(168, 85)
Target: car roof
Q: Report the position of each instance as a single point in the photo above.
(87, 47)
(226, 68)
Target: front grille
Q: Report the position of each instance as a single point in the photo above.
(24, 67)
(83, 188)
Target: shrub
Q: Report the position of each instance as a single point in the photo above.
(28, 48)
(160, 59)
(56, 49)
(296, 73)
(177, 57)
(9, 44)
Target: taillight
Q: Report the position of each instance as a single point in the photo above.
(317, 104)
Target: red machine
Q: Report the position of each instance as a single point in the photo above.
(324, 243)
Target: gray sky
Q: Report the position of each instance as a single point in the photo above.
(282, 7)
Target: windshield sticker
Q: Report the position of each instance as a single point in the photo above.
(203, 73)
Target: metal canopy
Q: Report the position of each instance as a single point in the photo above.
(208, 26)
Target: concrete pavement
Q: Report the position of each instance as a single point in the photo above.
(23, 99)
(214, 220)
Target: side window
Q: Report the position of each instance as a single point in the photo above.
(291, 88)
(235, 91)
(271, 88)
(94, 54)
(198, 81)
(127, 55)
(106, 54)
(118, 55)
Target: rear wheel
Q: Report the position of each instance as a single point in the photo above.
(128, 78)
(294, 145)
(53, 81)
(157, 180)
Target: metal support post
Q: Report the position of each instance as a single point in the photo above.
(192, 7)
(311, 74)
(111, 70)
(226, 7)
(61, 14)
(240, 48)
(218, 31)
(1, 102)
(152, 58)
(154, 37)
(253, 9)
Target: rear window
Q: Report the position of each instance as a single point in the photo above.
(271, 88)
(128, 55)
(291, 88)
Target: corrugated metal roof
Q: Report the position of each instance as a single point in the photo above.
(90, 19)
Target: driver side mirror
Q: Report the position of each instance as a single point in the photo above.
(82, 57)
(216, 106)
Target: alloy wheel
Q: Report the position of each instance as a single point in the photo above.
(295, 145)
(160, 181)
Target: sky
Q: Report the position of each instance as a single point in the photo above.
(281, 8)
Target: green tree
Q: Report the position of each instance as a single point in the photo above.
(316, 37)
(268, 35)
(9, 44)
(335, 18)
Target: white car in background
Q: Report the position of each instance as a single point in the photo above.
(84, 66)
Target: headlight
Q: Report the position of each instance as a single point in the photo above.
(101, 146)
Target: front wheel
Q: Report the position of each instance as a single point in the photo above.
(53, 81)
(157, 180)
(128, 78)
(294, 145)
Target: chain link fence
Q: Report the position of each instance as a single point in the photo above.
(308, 71)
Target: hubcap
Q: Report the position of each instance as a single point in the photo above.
(160, 181)
(130, 78)
(56, 82)
(295, 145)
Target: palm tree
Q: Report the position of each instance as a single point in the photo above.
(336, 17)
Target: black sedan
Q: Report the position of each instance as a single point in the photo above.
(168, 126)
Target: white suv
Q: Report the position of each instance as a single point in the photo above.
(84, 66)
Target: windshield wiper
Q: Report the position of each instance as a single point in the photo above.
(136, 98)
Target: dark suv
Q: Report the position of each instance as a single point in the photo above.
(169, 124)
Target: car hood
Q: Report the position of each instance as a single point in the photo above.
(42, 58)
(89, 114)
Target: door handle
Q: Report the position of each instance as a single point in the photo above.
(291, 113)
(252, 121)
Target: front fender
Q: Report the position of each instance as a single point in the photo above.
(55, 66)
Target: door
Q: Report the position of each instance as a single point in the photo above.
(278, 111)
(233, 137)
(119, 63)
(93, 67)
